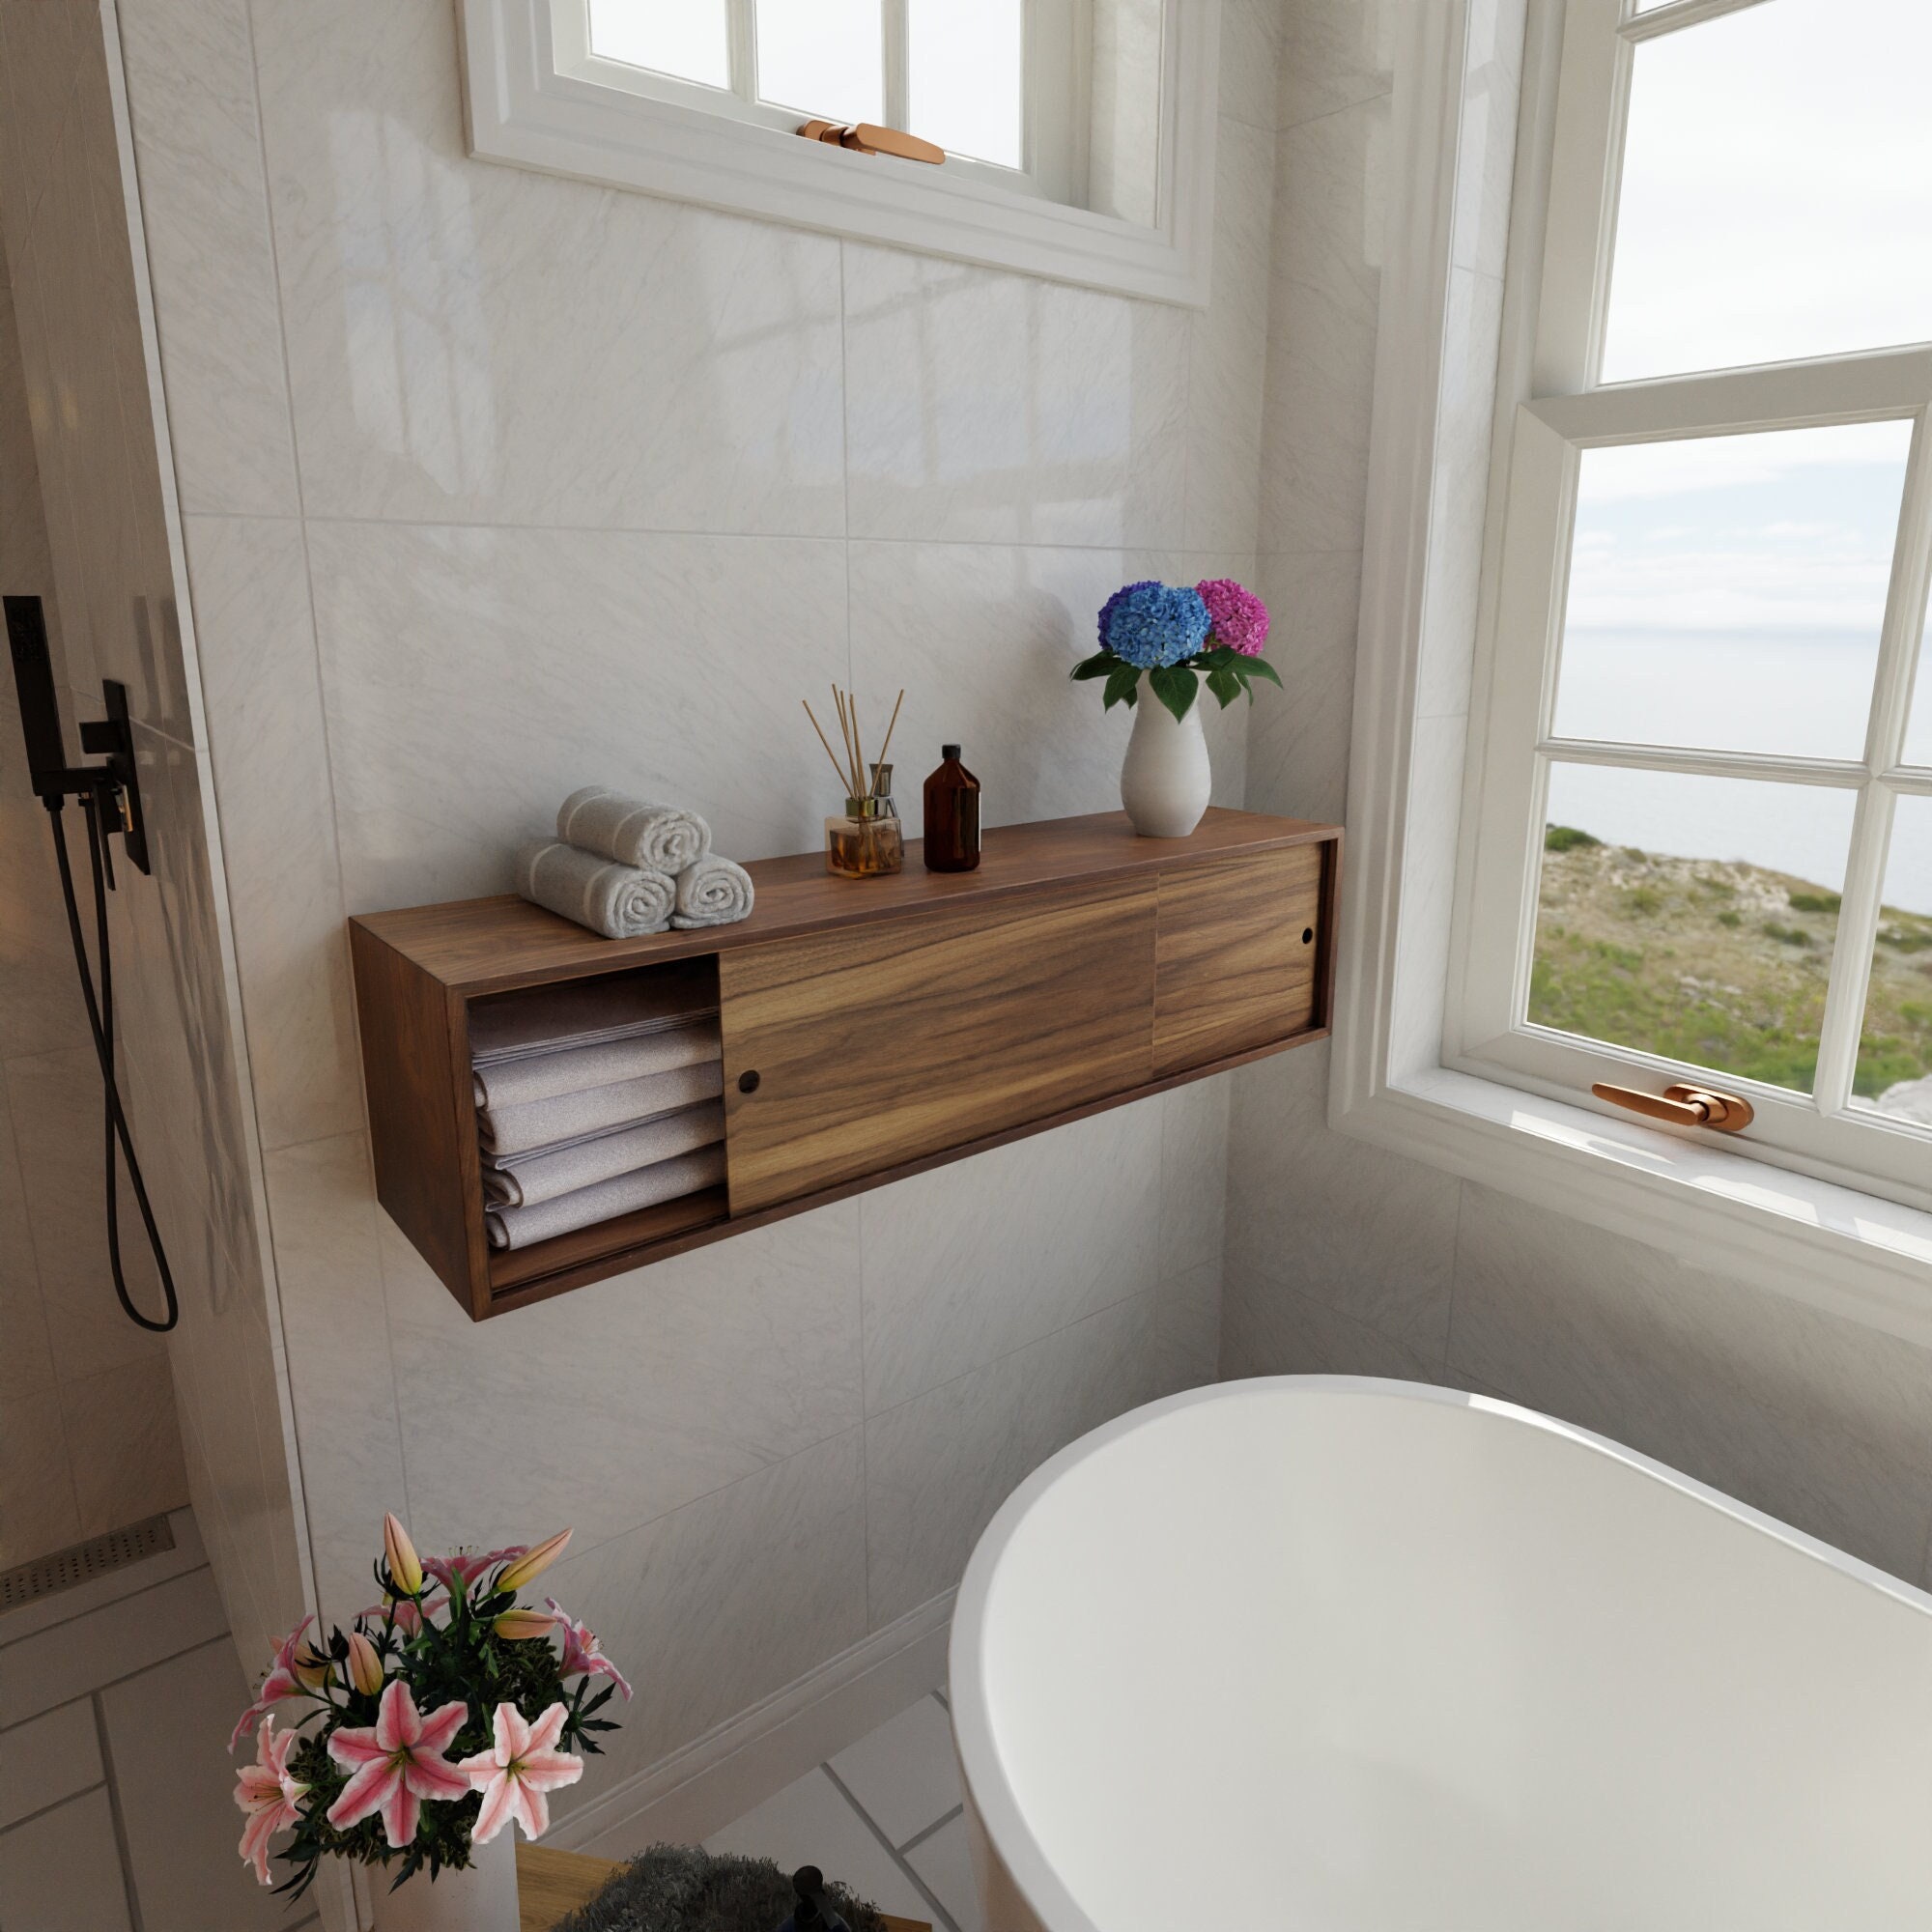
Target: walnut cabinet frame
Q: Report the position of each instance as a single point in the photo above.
(871, 1029)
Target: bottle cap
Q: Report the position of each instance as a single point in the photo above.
(949, 750)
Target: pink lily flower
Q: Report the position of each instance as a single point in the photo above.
(582, 1653)
(466, 1566)
(513, 1776)
(404, 1613)
(270, 1795)
(396, 1763)
(282, 1681)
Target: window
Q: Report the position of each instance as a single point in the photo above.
(1078, 133)
(1703, 784)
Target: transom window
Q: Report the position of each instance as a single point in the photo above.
(993, 82)
(1702, 781)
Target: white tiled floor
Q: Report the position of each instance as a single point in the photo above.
(883, 1817)
(116, 1702)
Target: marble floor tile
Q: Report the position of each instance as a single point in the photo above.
(60, 1872)
(810, 1823)
(943, 1861)
(66, 1660)
(47, 1760)
(903, 1774)
(166, 1730)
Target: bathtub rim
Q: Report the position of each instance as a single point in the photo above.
(989, 1799)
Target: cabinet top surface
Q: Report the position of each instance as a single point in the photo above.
(492, 945)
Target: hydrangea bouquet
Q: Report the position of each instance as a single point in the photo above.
(1178, 636)
(445, 1712)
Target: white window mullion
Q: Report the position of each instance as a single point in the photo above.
(1884, 745)
(897, 32)
(1683, 14)
(743, 31)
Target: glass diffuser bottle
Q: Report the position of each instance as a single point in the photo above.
(951, 816)
(866, 842)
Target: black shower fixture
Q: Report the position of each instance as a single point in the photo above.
(110, 802)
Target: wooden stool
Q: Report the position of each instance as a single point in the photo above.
(551, 1884)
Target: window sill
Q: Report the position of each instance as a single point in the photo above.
(1852, 1254)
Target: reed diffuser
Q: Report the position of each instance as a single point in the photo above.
(866, 841)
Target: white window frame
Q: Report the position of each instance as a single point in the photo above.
(1420, 740)
(536, 97)
(1568, 412)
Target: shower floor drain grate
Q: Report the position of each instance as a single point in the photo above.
(82, 1562)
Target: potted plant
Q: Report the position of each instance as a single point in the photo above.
(414, 1741)
(1177, 638)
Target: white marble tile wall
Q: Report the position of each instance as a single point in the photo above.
(492, 483)
(1341, 1258)
(88, 1440)
(139, 1424)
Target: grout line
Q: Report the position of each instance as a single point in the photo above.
(114, 1812)
(865, 1817)
(933, 1829)
(28, 1817)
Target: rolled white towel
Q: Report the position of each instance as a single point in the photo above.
(713, 891)
(619, 902)
(658, 837)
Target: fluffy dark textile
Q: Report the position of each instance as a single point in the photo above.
(685, 1889)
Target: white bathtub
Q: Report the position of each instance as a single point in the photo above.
(1364, 1657)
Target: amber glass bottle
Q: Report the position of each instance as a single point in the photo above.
(951, 816)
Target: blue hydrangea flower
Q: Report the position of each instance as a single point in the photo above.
(1149, 624)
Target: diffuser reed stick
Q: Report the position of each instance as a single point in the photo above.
(859, 778)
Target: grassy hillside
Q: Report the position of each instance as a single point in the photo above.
(1720, 964)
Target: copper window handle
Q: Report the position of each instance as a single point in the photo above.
(1683, 1106)
(866, 138)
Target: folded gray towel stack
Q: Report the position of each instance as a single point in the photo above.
(658, 837)
(713, 891)
(619, 902)
(645, 1187)
(597, 1098)
(524, 1180)
(595, 1109)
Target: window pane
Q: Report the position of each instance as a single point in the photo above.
(1894, 1073)
(1919, 727)
(1690, 918)
(690, 39)
(826, 58)
(1727, 594)
(967, 62)
(1777, 196)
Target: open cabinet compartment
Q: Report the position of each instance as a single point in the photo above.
(871, 1029)
(567, 1012)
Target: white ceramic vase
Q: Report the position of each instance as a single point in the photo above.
(481, 1898)
(1166, 779)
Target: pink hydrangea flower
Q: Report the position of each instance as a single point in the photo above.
(582, 1653)
(513, 1776)
(268, 1795)
(282, 1680)
(1240, 617)
(396, 1763)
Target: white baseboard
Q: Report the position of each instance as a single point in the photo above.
(701, 1788)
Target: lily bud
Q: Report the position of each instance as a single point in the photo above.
(516, 1626)
(362, 1666)
(400, 1553)
(533, 1562)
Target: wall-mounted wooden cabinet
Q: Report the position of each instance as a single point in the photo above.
(871, 1029)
